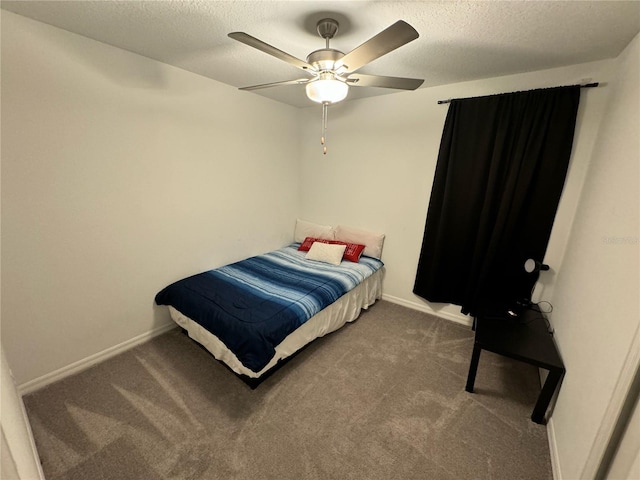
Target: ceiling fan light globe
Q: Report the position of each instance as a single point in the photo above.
(327, 90)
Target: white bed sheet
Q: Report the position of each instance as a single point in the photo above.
(346, 309)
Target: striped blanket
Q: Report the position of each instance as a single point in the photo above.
(252, 305)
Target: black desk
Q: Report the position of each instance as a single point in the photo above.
(525, 338)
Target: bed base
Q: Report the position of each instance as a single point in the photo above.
(251, 382)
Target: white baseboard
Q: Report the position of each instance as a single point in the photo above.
(43, 381)
(85, 363)
(553, 451)
(462, 319)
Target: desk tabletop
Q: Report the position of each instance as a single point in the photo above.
(524, 338)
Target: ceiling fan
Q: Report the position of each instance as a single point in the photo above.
(331, 72)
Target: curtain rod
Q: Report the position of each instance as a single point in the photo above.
(586, 85)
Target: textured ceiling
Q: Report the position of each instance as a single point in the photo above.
(459, 40)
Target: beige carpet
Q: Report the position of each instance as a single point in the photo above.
(382, 398)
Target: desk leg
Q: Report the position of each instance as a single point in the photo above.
(548, 389)
(473, 367)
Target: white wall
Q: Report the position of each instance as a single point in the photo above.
(596, 302)
(120, 175)
(381, 160)
(18, 455)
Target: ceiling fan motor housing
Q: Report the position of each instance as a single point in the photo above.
(324, 60)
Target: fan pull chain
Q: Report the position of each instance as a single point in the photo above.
(323, 137)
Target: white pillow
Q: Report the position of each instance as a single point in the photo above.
(372, 241)
(306, 229)
(325, 252)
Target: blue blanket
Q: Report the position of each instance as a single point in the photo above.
(252, 305)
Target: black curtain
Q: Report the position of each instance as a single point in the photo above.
(500, 172)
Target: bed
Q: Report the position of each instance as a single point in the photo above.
(255, 314)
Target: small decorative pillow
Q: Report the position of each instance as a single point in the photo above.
(353, 252)
(306, 245)
(325, 252)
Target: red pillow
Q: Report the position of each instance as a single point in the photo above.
(351, 253)
(306, 245)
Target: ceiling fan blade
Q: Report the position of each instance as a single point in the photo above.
(266, 48)
(361, 80)
(398, 34)
(300, 81)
